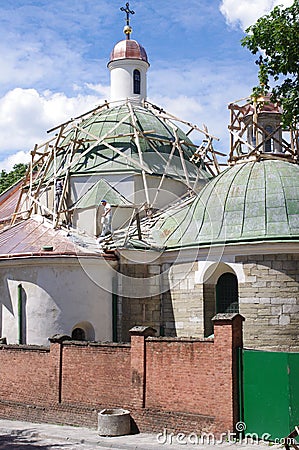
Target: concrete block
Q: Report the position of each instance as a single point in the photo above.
(284, 319)
(114, 422)
(291, 309)
(283, 300)
(276, 310)
(273, 321)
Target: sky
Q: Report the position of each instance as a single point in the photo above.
(54, 55)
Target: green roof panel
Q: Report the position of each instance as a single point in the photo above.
(246, 202)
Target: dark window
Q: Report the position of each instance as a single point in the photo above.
(268, 141)
(78, 334)
(137, 81)
(227, 298)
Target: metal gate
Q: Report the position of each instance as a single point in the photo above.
(269, 393)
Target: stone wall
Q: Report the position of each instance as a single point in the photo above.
(186, 316)
(140, 302)
(269, 300)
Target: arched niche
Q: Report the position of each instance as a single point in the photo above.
(83, 331)
(220, 292)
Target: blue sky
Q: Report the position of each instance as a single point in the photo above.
(54, 56)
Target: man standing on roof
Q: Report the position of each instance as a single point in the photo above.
(106, 218)
(58, 192)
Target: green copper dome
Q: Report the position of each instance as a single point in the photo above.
(248, 202)
(127, 128)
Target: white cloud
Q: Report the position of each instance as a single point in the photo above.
(201, 94)
(17, 158)
(246, 12)
(44, 49)
(26, 114)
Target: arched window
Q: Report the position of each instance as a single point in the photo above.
(268, 141)
(137, 81)
(227, 298)
(78, 334)
(83, 331)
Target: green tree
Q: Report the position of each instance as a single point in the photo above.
(275, 38)
(7, 179)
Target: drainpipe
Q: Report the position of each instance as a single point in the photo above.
(114, 309)
(20, 315)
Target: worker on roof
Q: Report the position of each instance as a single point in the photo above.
(106, 218)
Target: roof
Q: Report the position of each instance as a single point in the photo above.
(128, 49)
(32, 238)
(116, 127)
(102, 189)
(248, 202)
(8, 201)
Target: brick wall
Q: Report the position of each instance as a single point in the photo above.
(188, 360)
(24, 374)
(100, 372)
(185, 385)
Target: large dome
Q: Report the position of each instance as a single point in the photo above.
(248, 202)
(114, 135)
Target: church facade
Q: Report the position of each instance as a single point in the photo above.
(188, 240)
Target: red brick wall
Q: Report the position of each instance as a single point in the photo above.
(186, 385)
(24, 374)
(180, 376)
(96, 375)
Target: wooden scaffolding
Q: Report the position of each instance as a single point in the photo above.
(72, 143)
(251, 138)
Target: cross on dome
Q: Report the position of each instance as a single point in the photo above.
(128, 11)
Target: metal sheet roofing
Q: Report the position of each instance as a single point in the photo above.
(27, 238)
(128, 49)
(8, 202)
(101, 190)
(115, 126)
(250, 201)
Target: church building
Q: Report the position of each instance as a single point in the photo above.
(189, 239)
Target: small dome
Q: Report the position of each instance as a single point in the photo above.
(128, 49)
(245, 203)
(265, 105)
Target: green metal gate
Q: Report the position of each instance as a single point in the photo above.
(269, 392)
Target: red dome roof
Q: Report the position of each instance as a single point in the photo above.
(128, 49)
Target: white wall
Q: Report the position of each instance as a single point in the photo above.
(58, 293)
(121, 79)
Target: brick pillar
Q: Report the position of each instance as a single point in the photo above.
(55, 371)
(138, 363)
(228, 338)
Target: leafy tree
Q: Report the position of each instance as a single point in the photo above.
(275, 38)
(8, 179)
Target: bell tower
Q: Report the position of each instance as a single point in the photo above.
(257, 132)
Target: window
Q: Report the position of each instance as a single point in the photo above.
(137, 81)
(227, 298)
(78, 334)
(268, 141)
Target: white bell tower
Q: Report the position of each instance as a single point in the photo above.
(128, 67)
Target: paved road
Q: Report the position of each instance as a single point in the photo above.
(31, 440)
(16, 435)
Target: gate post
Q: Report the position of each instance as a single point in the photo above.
(227, 340)
(138, 363)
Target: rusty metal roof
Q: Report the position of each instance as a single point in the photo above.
(8, 202)
(32, 238)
